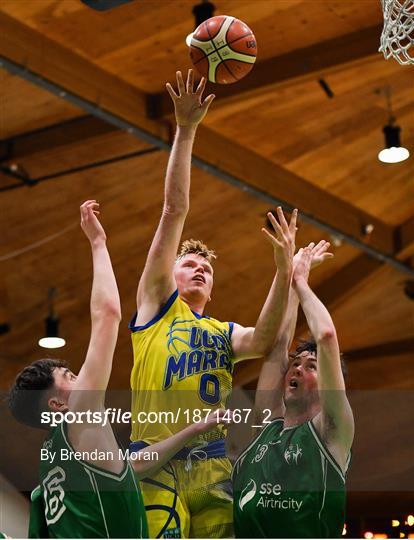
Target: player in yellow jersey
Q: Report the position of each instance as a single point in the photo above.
(183, 360)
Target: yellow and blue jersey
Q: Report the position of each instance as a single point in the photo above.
(182, 362)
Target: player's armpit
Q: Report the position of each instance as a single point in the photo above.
(152, 306)
(157, 282)
(339, 426)
(336, 427)
(335, 423)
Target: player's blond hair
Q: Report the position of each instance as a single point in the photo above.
(197, 247)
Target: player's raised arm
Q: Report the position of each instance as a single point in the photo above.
(258, 341)
(335, 423)
(91, 383)
(157, 281)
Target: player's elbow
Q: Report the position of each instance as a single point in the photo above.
(113, 310)
(176, 209)
(259, 348)
(108, 311)
(140, 468)
(326, 335)
(137, 466)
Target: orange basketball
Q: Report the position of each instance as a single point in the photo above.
(223, 49)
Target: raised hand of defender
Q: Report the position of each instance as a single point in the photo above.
(284, 240)
(189, 107)
(302, 264)
(90, 223)
(319, 253)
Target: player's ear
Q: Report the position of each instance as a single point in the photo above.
(57, 404)
(209, 298)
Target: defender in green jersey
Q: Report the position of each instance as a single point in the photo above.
(290, 481)
(81, 498)
(93, 493)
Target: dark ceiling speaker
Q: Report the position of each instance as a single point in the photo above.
(409, 289)
(4, 328)
(203, 11)
(104, 5)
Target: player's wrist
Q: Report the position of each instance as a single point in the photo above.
(300, 281)
(99, 242)
(184, 128)
(284, 270)
(198, 428)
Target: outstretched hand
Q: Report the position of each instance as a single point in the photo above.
(318, 253)
(90, 223)
(219, 416)
(189, 107)
(284, 241)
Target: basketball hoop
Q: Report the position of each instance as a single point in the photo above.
(398, 32)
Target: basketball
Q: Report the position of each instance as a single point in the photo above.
(223, 49)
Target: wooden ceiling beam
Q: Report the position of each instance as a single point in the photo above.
(77, 75)
(47, 139)
(404, 238)
(391, 348)
(35, 51)
(313, 61)
(272, 179)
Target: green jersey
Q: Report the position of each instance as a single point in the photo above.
(76, 499)
(286, 484)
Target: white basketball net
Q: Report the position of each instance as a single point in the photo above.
(398, 33)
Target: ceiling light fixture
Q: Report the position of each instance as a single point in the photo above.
(51, 339)
(393, 151)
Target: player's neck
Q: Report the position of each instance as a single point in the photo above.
(196, 305)
(296, 414)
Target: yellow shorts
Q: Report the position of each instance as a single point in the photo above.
(194, 503)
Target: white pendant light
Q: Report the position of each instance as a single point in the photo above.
(393, 151)
(51, 340)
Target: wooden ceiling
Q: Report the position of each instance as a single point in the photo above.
(276, 131)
